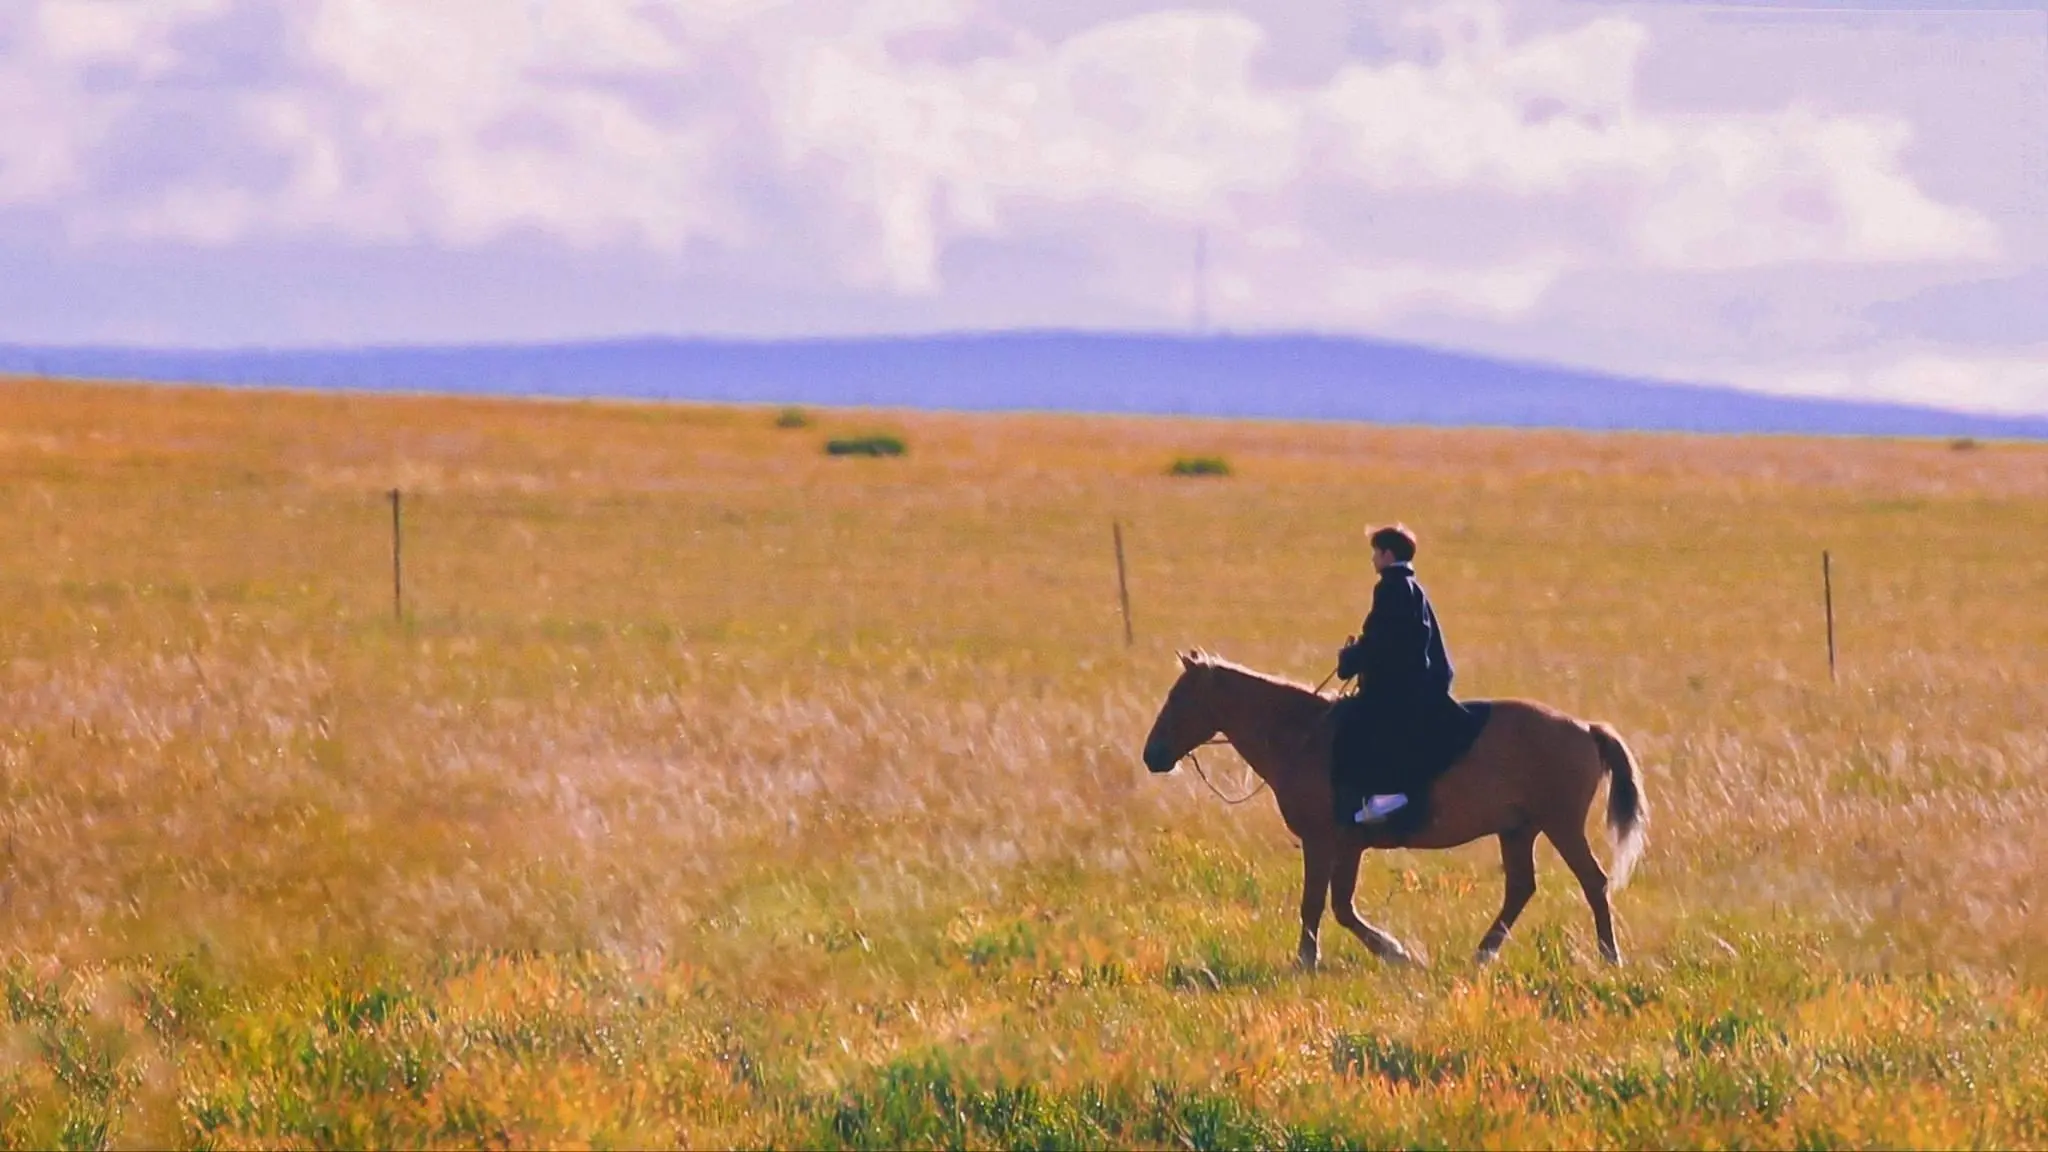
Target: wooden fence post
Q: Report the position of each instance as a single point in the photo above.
(397, 568)
(1827, 584)
(1123, 591)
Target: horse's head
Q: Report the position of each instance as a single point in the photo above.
(1188, 718)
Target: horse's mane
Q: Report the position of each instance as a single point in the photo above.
(1201, 659)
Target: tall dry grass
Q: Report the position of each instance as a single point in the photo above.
(715, 790)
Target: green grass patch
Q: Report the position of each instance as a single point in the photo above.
(931, 1103)
(880, 444)
(1199, 466)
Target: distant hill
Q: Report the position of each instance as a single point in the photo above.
(1280, 377)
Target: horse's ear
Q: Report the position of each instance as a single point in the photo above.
(1187, 661)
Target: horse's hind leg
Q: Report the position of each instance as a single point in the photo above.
(1570, 843)
(1343, 884)
(1518, 863)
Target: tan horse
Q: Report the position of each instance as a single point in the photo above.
(1532, 772)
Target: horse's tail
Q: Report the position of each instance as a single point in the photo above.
(1628, 813)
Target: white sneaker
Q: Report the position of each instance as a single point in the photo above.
(1378, 808)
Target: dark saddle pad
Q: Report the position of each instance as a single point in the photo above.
(1456, 728)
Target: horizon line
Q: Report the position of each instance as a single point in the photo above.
(1165, 336)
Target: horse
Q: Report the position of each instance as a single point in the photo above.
(1533, 771)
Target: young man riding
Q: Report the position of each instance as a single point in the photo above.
(1404, 679)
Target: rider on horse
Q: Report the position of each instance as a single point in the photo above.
(1388, 729)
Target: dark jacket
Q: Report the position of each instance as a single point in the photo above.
(1400, 654)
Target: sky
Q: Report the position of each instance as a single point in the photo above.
(1832, 197)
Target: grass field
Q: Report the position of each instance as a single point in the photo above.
(716, 791)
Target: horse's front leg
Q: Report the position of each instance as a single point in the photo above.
(1316, 857)
(1343, 887)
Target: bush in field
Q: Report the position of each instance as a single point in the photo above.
(792, 418)
(878, 445)
(1200, 466)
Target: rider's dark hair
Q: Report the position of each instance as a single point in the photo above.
(1395, 538)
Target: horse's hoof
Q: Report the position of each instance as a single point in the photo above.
(1485, 956)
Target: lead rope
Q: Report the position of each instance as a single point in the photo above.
(1261, 787)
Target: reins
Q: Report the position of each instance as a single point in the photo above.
(1196, 761)
(1261, 786)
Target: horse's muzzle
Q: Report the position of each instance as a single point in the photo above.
(1159, 759)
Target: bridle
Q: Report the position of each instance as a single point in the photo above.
(1219, 738)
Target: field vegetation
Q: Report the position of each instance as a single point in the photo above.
(873, 444)
(1200, 466)
(716, 791)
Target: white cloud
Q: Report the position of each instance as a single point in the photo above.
(1163, 113)
(38, 150)
(1156, 113)
(1797, 187)
(474, 123)
(93, 31)
(1543, 116)
(871, 139)
(54, 118)
(1556, 114)
(2015, 384)
(456, 122)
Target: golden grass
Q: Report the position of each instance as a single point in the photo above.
(717, 791)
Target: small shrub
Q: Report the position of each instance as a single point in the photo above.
(1200, 466)
(866, 446)
(1963, 444)
(792, 418)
